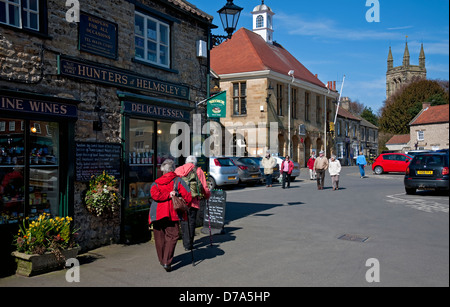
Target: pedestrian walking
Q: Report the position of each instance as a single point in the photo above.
(320, 166)
(334, 168)
(195, 179)
(268, 163)
(310, 165)
(287, 167)
(163, 216)
(361, 162)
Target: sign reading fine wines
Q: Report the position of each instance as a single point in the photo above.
(119, 78)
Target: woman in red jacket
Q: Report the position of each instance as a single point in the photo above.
(164, 218)
(287, 167)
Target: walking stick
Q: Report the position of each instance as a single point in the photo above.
(209, 224)
(190, 243)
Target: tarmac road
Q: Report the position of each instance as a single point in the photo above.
(291, 238)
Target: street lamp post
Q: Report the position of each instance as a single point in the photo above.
(229, 15)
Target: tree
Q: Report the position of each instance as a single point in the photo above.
(368, 115)
(405, 104)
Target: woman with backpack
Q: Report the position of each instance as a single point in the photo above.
(195, 179)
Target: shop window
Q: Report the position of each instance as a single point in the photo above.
(29, 171)
(24, 14)
(152, 40)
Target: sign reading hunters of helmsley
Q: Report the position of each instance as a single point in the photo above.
(90, 71)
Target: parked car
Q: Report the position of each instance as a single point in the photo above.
(249, 172)
(222, 171)
(413, 153)
(427, 171)
(391, 163)
(276, 169)
(295, 172)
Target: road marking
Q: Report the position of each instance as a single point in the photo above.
(422, 204)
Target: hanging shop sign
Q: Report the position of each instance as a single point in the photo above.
(35, 106)
(217, 106)
(94, 72)
(97, 36)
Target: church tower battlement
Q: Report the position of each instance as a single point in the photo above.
(404, 74)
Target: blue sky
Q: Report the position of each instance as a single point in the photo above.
(333, 38)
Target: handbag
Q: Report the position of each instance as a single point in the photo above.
(179, 204)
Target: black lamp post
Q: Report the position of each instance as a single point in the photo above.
(229, 15)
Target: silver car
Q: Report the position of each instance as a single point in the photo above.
(222, 171)
(249, 172)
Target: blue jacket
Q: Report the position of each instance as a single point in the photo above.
(361, 160)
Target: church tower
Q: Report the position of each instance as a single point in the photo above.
(263, 22)
(398, 76)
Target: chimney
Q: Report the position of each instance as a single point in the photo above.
(334, 85)
(426, 105)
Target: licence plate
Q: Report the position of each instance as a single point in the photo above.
(254, 176)
(424, 172)
(231, 178)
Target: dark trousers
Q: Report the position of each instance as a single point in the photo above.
(286, 178)
(320, 177)
(268, 179)
(166, 234)
(188, 241)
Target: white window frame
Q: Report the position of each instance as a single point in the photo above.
(421, 135)
(158, 41)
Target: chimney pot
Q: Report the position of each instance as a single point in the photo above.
(426, 105)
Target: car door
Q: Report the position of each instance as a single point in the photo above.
(388, 161)
(399, 164)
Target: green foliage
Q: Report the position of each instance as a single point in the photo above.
(103, 196)
(46, 234)
(404, 105)
(368, 115)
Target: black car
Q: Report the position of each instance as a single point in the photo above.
(428, 171)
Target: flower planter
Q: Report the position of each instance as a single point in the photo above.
(31, 265)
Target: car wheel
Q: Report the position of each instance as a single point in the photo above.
(211, 183)
(410, 191)
(378, 170)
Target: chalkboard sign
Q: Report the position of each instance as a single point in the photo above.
(94, 158)
(215, 216)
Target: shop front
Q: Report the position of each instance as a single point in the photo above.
(36, 154)
(146, 125)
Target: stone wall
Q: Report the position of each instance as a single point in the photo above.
(29, 63)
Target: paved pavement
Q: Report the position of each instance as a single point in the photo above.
(293, 237)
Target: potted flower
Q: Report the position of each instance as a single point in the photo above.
(103, 196)
(44, 245)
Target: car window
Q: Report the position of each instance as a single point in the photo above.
(389, 157)
(429, 160)
(225, 162)
(400, 157)
(249, 161)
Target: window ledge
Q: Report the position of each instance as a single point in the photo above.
(154, 66)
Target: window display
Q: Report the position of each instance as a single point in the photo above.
(28, 167)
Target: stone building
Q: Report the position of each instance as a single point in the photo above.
(429, 130)
(262, 80)
(398, 76)
(121, 75)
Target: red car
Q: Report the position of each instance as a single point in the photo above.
(391, 163)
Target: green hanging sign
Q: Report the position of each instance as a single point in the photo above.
(217, 105)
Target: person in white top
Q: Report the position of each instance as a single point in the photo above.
(335, 169)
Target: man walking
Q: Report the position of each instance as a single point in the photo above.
(361, 162)
(268, 163)
(320, 166)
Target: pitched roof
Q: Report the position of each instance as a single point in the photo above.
(432, 115)
(189, 7)
(347, 114)
(247, 51)
(399, 139)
